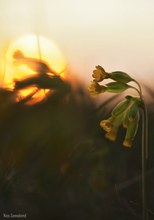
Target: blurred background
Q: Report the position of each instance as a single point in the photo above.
(115, 34)
(54, 160)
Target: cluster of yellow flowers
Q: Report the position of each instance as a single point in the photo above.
(119, 85)
(126, 113)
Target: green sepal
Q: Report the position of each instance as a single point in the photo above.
(131, 113)
(136, 100)
(120, 77)
(129, 97)
(120, 108)
(131, 131)
(116, 87)
(117, 121)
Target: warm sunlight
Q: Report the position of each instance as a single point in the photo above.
(34, 47)
(37, 47)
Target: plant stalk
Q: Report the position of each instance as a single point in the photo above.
(144, 155)
(144, 162)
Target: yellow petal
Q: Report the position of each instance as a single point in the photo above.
(106, 124)
(127, 143)
(112, 135)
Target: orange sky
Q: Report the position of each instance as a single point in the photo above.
(117, 34)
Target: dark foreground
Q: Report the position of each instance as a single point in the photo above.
(56, 165)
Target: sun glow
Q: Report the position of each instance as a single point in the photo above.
(37, 47)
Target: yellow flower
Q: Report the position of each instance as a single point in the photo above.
(110, 127)
(127, 143)
(95, 89)
(107, 124)
(99, 74)
(132, 128)
(112, 135)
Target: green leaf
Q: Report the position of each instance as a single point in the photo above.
(116, 87)
(120, 108)
(120, 77)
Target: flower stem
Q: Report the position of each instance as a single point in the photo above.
(140, 89)
(144, 161)
(144, 153)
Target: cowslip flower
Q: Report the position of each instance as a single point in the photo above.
(99, 74)
(95, 89)
(107, 124)
(131, 131)
(111, 126)
(125, 114)
(112, 135)
(131, 122)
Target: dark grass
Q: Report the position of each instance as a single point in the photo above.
(56, 165)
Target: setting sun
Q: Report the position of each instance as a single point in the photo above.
(32, 47)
